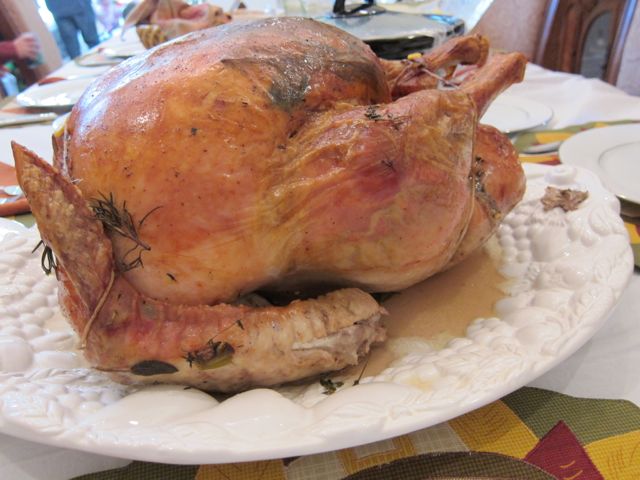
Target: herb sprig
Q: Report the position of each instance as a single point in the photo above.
(372, 113)
(47, 259)
(330, 386)
(120, 221)
(213, 354)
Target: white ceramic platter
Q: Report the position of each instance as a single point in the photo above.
(62, 94)
(613, 153)
(566, 271)
(511, 114)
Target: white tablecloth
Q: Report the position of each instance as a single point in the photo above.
(607, 367)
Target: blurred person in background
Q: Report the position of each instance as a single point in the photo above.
(73, 16)
(108, 13)
(26, 46)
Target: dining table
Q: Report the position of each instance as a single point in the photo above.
(579, 420)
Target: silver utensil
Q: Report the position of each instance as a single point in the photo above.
(542, 148)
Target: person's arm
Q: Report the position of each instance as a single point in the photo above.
(27, 46)
(7, 51)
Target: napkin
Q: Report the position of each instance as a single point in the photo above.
(8, 177)
(547, 136)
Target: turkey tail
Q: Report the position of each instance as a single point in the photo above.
(67, 226)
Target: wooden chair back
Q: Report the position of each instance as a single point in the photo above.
(569, 41)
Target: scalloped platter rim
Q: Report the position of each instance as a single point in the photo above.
(566, 272)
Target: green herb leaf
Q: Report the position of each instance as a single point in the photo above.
(146, 368)
(120, 221)
(212, 355)
(330, 386)
(372, 113)
(48, 261)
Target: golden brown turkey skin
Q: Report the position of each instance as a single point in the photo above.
(260, 141)
(497, 175)
(365, 208)
(499, 184)
(141, 340)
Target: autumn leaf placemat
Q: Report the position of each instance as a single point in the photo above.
(530, 434)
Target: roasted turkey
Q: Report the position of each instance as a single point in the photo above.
(172, 18)
(268, 156)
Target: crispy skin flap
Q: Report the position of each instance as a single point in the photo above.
(67, 225)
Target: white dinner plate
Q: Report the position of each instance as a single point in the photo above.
(512, 114)
(565, 273)
(123, 50)
(62, 94)
(613, 153)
